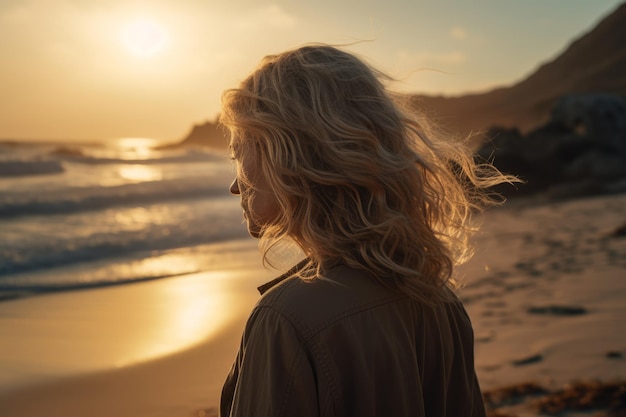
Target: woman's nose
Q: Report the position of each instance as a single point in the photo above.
(234, 187)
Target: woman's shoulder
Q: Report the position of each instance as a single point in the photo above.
(341, 293)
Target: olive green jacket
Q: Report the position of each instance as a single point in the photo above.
(347, 346)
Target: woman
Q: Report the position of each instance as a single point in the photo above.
(367, 324)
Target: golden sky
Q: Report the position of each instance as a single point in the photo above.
(106, 69)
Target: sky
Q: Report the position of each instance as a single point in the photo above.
(108, 69)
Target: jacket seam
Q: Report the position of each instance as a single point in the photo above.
(315, 349)
(292, 374)
(349, 313)
(274, 299)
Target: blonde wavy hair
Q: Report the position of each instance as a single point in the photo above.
(359, 179)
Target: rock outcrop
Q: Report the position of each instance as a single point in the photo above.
(595, 62)
(209, 134)
(580, 151)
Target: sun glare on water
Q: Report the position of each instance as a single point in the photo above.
(139, 145)
(144, 38)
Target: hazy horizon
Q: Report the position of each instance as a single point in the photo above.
(102, 70)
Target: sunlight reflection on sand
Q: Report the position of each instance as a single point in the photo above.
(83, 331)
(183, 312)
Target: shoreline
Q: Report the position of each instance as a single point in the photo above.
(109, 376)
(60, 334)
(545, 293)
(115, 350)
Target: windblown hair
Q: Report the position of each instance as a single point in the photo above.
(359, 180)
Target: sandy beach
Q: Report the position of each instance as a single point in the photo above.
(546, 293)
(155, 348)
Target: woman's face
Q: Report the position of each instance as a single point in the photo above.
(258, 202)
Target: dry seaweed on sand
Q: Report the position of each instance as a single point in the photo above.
(585, 395)
(607, 397)
(619, 232)
(512, 394)
(498, 413)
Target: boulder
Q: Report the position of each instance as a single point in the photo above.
(581, 150)
(601, 117)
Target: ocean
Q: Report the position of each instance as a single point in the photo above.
(76, 216)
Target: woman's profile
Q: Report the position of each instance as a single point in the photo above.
(368, 323)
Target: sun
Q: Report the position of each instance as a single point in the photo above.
(144, 38)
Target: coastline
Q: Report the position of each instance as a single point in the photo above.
(545, 292)
(132, 349)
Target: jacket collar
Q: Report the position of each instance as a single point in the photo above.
(269, 285)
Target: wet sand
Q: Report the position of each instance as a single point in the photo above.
(161, 347)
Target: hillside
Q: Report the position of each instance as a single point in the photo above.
(596, 62)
